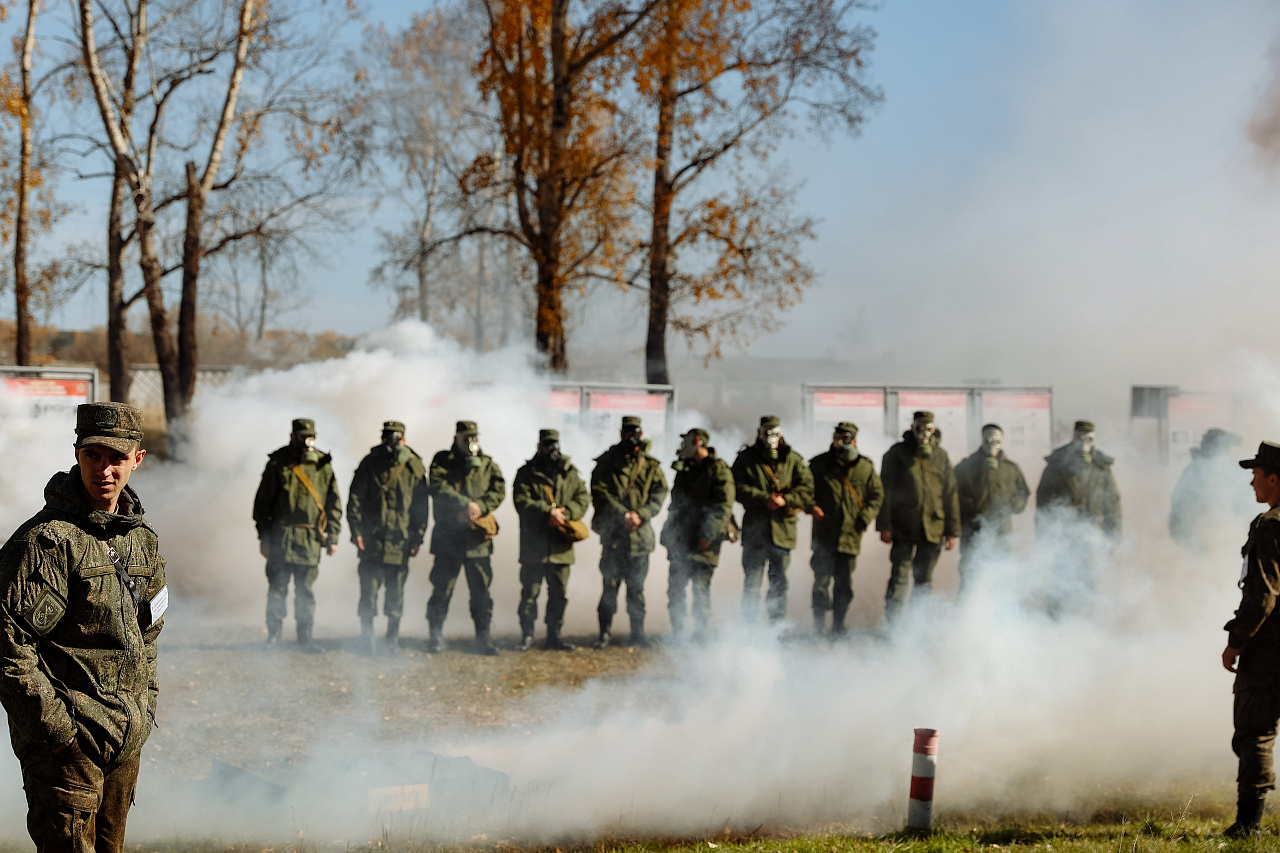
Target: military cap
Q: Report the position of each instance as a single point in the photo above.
(466, 428)
(548, 435)
(1268, 457)
(700, 433)
(1084, 426)
(922, 415)
(770, 422)
(629, 421)
(847, 426)
(986, 427)
(393, 426)
(113, 425)
(304, 426)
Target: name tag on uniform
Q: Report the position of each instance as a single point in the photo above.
(150, 612)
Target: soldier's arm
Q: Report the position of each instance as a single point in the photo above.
(529, 499)
(1261, 586)
(152, 634)
(579, 499)
(872, 499)
(355, 499)
(966, 492)
(1018, 501)
(420, 507)
(748, 494)
(333, 509)
(601, 492)
(441, 488)
(657, 491)
(723, 493)
(1111, 523)
(33, 598)
(888, 479)
(264, 502)
(497, 491)
(801, 494)
(950, 503)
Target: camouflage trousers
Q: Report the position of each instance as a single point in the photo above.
(1257, 716)
(532, 576)
(754, 560)
(832, 573)
(909, 561)
(685, 573)
(279, 573)
(444, 577)
(375, 575)
(619, 566)
(73, 805)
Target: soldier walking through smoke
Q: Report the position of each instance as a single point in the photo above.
(1208, 496)
(466, 487)
(83, 595)
(1253, 640)
(388, 512)
(921, 513)
(773, 485)
(298, 514)
(627, 491)
(699, 519)
(847, 495)
(991, 492)
(551, 499)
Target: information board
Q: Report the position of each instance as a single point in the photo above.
(950, 414)
(1026, 418)
(43, 391)
(1190, 415)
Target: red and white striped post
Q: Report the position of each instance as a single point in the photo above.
(924, 763)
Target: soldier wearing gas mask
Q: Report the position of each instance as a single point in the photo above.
(773, 484)
(298, 514)
(992, 491)
(847, 495)
(1077, 486)
(466, 487)
(921, 514)
(549, 494)
(699, 520)
(627, 491)
(388, 511)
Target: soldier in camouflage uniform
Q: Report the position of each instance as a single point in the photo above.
(627, 491)
(847, 494)
(773, 484)
(388, 511)
(83, 594)
(1253, 639)
(699, 519)
(992, 491)
(466, 486)
(298, 514)
(548, 493)
(921, 513)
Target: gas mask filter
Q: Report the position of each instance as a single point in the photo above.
(1084, 443)
(309, 452)
(772, 439)
(631, 438)
(992, 441)
(843, 442)
(923, 431)
(391, 440)
(470, 446)
(549, 450)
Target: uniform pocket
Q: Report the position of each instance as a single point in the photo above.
(69, 779)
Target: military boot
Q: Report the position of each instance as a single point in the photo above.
(391, 647)
(526, 641)
(1248, 817)
(605, 637)
(273, 637)
(819, 623)
(435, 639)
(306, 645)
(837, 626)
(556, 643)
(484, 645)
(638, 637)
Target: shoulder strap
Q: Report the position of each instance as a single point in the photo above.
(640, 463)
(551, 497)
(391, 476)
(323, 524)
(856, 497)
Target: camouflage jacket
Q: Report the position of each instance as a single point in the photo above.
(755, 477)
(287, 516)
(619, 487)
(76, 663)
(1085, 491)
(990, 497)
(702, 498)
(388, 505)
(921, 503)
(1255, 630)
(850, 496)
(453, 487)
(539, 542)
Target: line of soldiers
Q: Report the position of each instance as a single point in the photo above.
(920, 503)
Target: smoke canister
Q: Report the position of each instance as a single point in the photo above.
(924, 763)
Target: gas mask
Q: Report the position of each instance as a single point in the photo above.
(772, 439)
(631, 439)
(923, 432)
(550, 451)
(688, 448)
(992, 441)
(845, 445)
(391, 441)
(308, 447)
(1084, 442)
(470, 447)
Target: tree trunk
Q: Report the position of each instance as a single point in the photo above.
(549, 334)
(549, 322)
(482, 283)
(152, 272)
(21, 225)
(118, 367)
(655, 351)
(188, 318)
(424, 293)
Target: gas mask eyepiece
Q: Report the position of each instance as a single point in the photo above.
(549, 450)
(992, 441)
(391, 440)
(631, 437)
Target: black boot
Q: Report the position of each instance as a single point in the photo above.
(306, 645)
(391, 647)
(819, 623)
(526, 642)
(605, 637)
(484, 645)
(555, 643)
(1248, 817)
(435, 639)
(366, 645)
(837, 625)
(638, 638)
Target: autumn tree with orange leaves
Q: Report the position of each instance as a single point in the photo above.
(724, 80)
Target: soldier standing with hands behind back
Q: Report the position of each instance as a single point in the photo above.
(298, 514)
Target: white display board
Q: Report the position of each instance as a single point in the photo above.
(49, 391)
(1190, 415)
(950, 414)
(1026, 418)
(605, 408)
(865, 408)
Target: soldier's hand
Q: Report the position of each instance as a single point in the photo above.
(473, 511)
(948, 542)
(703, 544)
(886, 537)
(557, 518)
(413, 552)
(331, 548)
(631, 521)
(63, 747)
(816, 512)
(264, 549)
(359, 542)
(1229, 658)
(777, 501)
